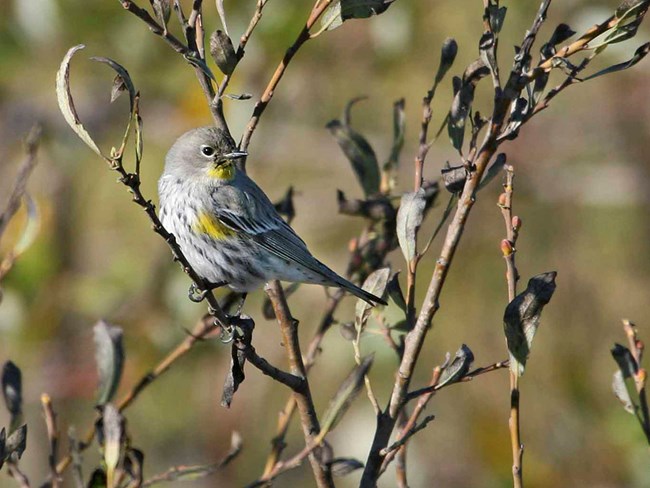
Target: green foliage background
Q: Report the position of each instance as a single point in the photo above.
(582, 179)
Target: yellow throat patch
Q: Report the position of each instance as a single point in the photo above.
(225, 171)
(212, 226)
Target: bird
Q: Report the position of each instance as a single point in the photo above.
(226, 226)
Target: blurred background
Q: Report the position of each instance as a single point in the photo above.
(582, 179)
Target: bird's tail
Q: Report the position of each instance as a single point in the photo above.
(356, 291)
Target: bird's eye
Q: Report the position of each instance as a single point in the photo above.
(207, 151)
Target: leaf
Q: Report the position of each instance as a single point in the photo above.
(12, 388)
(113, 433)
(359, 153)
(619, 386)
(561, 33)
(348, 331)
(522, 316)
(16, 443)
(235, 376)
(376, 284)
(109, 356)
(625, 360)
(124, 75)
(493, 170)
(163, 10)
(3, 451)
(344, 466)
(399, 129)
(66, 104)
(345, 395)
(395, 292)
(223, 52)
(97, 479)
(496, 15)
(487, 49)
(639, 54)
(285, 205)
(447, 57)
(409, 219)
(454, 177)
(458, 367)
(341, 10)
(133, 465)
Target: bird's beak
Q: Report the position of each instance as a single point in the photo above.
(235, 155)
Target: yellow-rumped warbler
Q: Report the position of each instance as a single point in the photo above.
(225, 224)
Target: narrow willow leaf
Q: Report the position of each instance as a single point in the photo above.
(496, 16)
(12, 391)
(123, 74)
(399, 128)
(561, 33)
(639, 54)
(163, 10)
(3, 451)
(522, 316)
(493, 170)
(620, 388)
(376, 284)
(395, 292)
(341, 10)
(458, 367)
(113, 430)
(625, 360)
(447, 57)
(223, 52)
(346, 394)
(628, 8)
(66, 104)
(235, 376)
(109, 355)
(344, 466)
(409, 219)
(359, 153)
(16, 443)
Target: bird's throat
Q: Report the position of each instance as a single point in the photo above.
(223, 171)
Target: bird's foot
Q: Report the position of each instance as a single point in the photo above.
(197, 295)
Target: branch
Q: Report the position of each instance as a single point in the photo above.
(303, 398)
(53, 436)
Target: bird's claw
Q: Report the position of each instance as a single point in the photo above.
(196, 294)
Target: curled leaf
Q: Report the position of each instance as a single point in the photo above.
(223, 52)
(113, 434)
(341, 10)
(522, 316)
(620, 389)
(376, 284)
(109, 355)
(639, 54)
(447, 57)
(16, 443)
(409, 219)
(344, 466)
(458, 367)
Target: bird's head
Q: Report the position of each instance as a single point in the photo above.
(204, 152)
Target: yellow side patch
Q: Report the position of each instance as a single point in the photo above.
(210, 225)
(225, 171)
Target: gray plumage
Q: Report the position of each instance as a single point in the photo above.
(226, 226)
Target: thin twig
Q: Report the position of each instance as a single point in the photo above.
(303, 398)
(411, 432)
(17, 475)
(53, 436)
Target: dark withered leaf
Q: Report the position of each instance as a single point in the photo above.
(125, 77)
(118, 88)
(486, 46)
(496, 16)
(409, 220)
(625, 360)
(447, 57)
(133, 465)
(399, 128)
(346, 394)
(494, 170)
(16, 443)
(620, 389)
(344, 466)
(630, 7)
(458, 367)
(454, 177)
(462, 102)
(561, 33)
(109, 356)
(241, 96)
(12, 388)
(235, 375)
(163, 10)
(639, 54)
(3, 451)
(359, 153)
(223, 52)
(341, 10)
(376, 284)
(522, 316)
(97, 479)
(285, 205)
(395, 292)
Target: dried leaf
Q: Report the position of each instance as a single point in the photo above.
(109, 355)
(346, 394)
(561, 33)
(133, 465)
(12, 388)
(454, 177)
(163, 10)
(625, 360)
(639, 54)
(447, 57)
(399, 129)
(376, 284)
(409, 219)
(522, 316)
(3, 451)
(124, 75)
(458, 367)
(395, 292)
(359, 153)
(235, 375)
(348, 331)
(66, 104)
(341, 10)
(496, 16)
(223, 52)
(619, 386)
(118, 88)
(16, 443)
(344, 466)
(285, 205)
(113, 433)
(493, 170)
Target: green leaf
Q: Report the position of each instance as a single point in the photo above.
(345, 395)
(376, 284)
(109, 355)
(341, 10)
(359, 153)
(522, 316)
(458, 367)
(409, 219)
(639, 54)
(66, 104)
